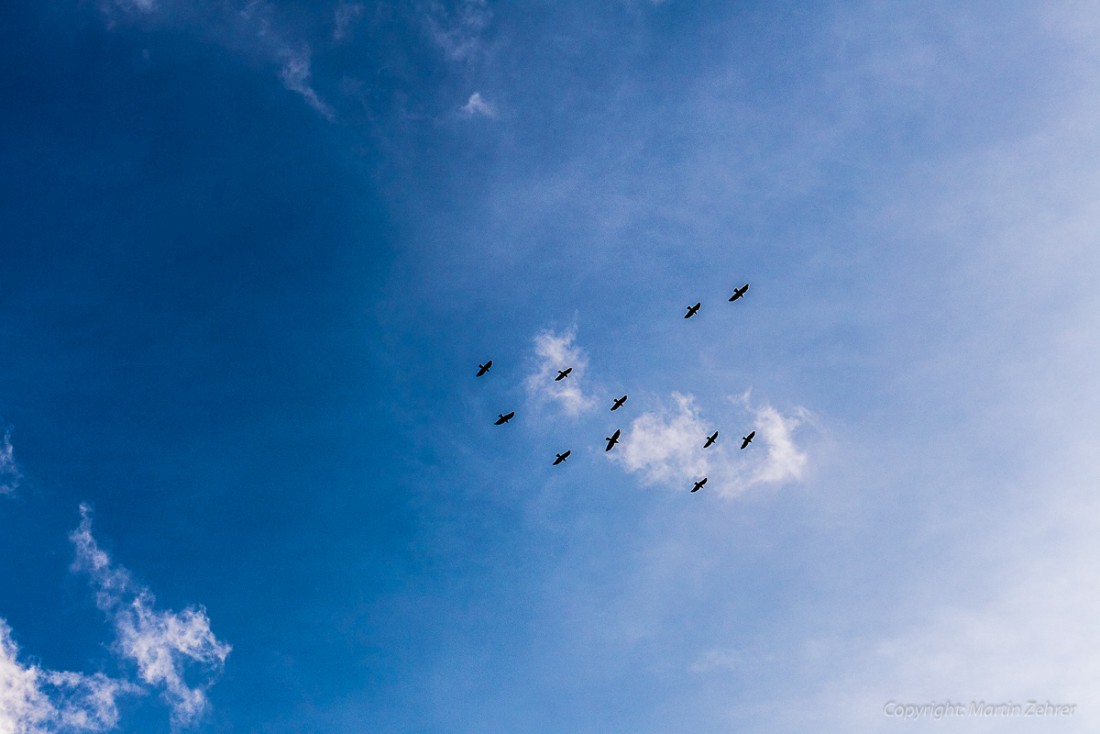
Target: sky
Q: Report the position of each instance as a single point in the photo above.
(252, 254)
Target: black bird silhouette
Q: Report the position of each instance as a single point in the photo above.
(699, 484)
(746, 440)
(483, 368)
(612, 439)
(692, 310)
(739, 292)
(619, 403)
(562, 374)
(562, 457)
(711, 439)
(502, 419)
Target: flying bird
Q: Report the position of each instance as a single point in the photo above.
(483, 368)
(562, 457)
(502, 418)
(739, 292)
(562, 374)
(699, 484)
(692, 310)
(618, 403)
(711, 439)
(612, 439)
(746, 440)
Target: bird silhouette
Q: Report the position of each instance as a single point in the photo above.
(612, 439)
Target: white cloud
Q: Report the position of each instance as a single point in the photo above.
(36, 701)
(666, 447)
(554, 352)
(343, 16)
(9, 470)
(164, 645)
(478, 106)
(295, 75)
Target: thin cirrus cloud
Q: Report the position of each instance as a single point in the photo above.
(166, 646)
(10, 476)
(665, 446)
(554, 352)
(344, 15)
(253, 30)
(458, 33)
(296, 74)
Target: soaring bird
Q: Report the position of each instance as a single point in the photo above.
(502, 418)
(711, 439)
(612, 439)
(746, 440)
(562, 374)
(483, 368)
(699, 484)
(692, 310)
(739, 292)
(562, 457)
(618, 403)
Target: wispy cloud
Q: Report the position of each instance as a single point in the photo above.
(556, 351)
(36, 701)
(141, 6)
(164, 645)
(343, 17)
(476, 106)
(665, 446)
(295, 74)
(458, 33)
(9, 469)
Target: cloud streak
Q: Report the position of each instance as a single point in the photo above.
(296, 75)
(10, 475)
(166, 646)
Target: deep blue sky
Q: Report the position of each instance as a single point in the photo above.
(252, 253)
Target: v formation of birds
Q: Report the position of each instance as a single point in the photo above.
(613, 439)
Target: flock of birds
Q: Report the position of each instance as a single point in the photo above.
(503, 418)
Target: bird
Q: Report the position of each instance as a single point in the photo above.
(502, 418)
(483, 368)
(746, 440)
(699, 484)
(711, 439)
(562, 374)
(618, 403)
(562, 457)
(612, 439)
(739, 292)
(692, 310)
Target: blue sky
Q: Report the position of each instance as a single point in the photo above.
(251, 254)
